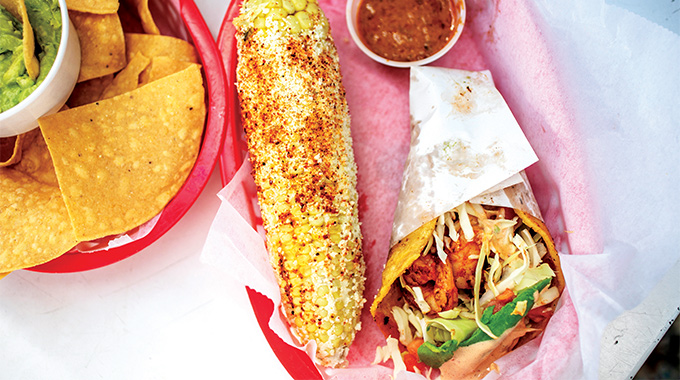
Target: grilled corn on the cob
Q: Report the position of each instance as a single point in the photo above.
(297, 125)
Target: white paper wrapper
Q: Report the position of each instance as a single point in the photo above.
(464, 142)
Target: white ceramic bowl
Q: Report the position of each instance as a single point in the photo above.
(53, 92)
(351, 16)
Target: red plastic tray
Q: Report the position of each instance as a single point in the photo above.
(213, 138)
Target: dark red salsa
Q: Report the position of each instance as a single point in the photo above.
(405, 30)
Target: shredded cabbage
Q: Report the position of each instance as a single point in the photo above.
(491, 278)
(390, 351)
(428, 246)
(483, 252)
(508, 282)
(400, 316)
(534, 275)
(448, 219)
(439, 243)
(542, 250)
(416, 319)
(417, 294)
(534, 258)
(547, 296)
(465, 225)
(442, 330)
(450, 314)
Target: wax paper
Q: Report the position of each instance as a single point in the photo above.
(464, 142)
(594, 89)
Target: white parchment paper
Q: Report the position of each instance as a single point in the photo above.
(464, 142)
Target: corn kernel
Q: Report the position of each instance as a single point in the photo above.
(316, 220)
(298, 321)
(323, 290)
(273, 18)
(325, 325)
(259, 23)
(312, 8)
(277, 14)
(323, 337)
(288, 6)
(286, 238)
(274, 4)
(303, 229)
(300, 4)
(337, 329)
(323, 313)
(335, 237)
(323, 303)
(311, 328)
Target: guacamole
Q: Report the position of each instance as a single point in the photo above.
(45, 20)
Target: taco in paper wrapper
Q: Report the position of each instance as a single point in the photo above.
(472, 272)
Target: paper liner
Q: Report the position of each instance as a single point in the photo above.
(464, 142)
(552, 61)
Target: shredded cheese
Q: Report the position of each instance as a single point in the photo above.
(520, 308)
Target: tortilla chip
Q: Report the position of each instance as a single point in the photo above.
(154, 46)
(33, 217)
(161, 67)
(10, 150)
(102, 44)
(145, 15)
(128, 78)
(93, 6)
(18, 9)
(35, 159)
(89, 91)
(120, 160)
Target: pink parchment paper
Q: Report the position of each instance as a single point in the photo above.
(522, 43)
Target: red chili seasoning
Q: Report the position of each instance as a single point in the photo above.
(405, 30)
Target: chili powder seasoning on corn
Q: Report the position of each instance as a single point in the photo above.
(297, 125)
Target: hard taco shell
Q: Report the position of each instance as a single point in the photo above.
(474, 361)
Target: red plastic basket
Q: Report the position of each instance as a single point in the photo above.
(187, 13)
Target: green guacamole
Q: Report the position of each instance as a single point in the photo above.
(45, 19)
